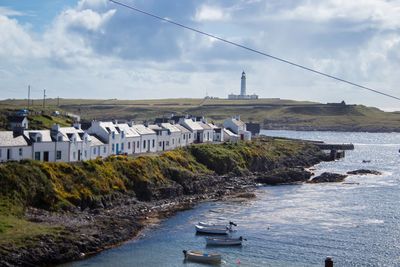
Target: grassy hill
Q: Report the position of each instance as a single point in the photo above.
(271, 113)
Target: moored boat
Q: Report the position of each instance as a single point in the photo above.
(199, 256)
(224, 241)
(210, 224)
(212, 230)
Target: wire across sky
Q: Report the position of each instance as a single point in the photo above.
(254, 50)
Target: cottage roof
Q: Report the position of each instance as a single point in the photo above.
(69, 132)
(213, 126)
(155, 127)
(182, 128)
(142, 130)
(192, 125)
(237, 122)
(7, 139)
(204, 126)
(230, 133)
(129, 131)
(46, 136)
(172, 128)
(95, 141)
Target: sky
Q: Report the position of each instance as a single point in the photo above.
(97, 49)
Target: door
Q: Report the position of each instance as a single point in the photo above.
(198, 137)
(163, 145)
(148, 145)
(46, 156)
(8, 154)
(79, 154)
(117, 149)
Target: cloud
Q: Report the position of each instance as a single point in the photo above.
(96, 46)
(211, 13)
(5, 11)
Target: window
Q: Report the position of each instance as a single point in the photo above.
(59, 138)
(122, 146)
(160, 143)
(179, 140)
(39, 139)
(74, 155)
(154, 143)
(104, 150)
(167, 143)
(138, 144)
(208, 136)
(0, 153)
(173, 141)
(122, 134)
(190, 136)
(144, 144)
(94, 150)
(20, 152)
(184, 136)
(129, 145)
(112, 148)
(113, 136)
(37, 155)
(58, 155)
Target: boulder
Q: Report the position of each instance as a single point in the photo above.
(328, 177)
(284, 176)
(364, 172)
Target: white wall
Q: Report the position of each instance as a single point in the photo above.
(15, 153)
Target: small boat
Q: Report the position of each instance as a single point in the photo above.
(212, 230)
(209, 224)
(199, 256)
(224, 241)
(366, 161)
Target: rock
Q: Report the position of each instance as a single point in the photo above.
(364, 172)
(284, 176)
(328, 177)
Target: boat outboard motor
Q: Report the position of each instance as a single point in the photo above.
(184, 253)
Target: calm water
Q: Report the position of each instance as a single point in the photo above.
(293, 225)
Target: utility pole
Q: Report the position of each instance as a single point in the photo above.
(44, 98)
(29, 96)
(58, 101)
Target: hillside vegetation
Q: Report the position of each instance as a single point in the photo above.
(65, 186)
(271, 113)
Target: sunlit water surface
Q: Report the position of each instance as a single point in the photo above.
(293, 225)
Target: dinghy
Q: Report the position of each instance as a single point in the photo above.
(224, 241)
(210, 224)
(212, 230)
(199, 256)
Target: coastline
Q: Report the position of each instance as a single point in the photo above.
(119, 217)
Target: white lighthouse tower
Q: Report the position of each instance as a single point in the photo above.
(243, 84)
(243, 93)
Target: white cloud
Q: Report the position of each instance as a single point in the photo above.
(374, 13)
(85, 19)
(211, 13)
(5, 11)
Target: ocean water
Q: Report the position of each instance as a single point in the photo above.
(357, 223)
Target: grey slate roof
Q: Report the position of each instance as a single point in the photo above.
(7, 139)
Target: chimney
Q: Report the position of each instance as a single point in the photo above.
(131, 123)
(18, 130)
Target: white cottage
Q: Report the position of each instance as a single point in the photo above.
(194, 127)
(14, 147)
(186, 135)
(236, 126)
(110, 134)
(132, 138)
(148, 138)
(43, 147)
(174, 134)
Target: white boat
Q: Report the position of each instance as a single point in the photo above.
(199, 256)
(210, 224)
(224, 241)
(212, 230)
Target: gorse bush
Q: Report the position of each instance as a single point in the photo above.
(52, 186)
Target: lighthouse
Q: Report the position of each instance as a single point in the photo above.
(243, 84)
(243, 94)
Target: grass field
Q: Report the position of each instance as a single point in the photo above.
(271, 113)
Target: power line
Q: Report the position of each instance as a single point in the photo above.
(253, 50)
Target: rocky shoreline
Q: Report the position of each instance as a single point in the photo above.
(97, 224)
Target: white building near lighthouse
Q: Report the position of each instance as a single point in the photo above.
(243, 93)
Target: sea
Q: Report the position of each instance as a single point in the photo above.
(357, 222)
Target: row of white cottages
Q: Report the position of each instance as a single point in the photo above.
(102, 139)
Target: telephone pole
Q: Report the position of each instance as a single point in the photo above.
(29, 96)
(44, 98)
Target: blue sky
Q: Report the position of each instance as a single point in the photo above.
(96, 49)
